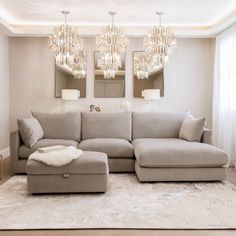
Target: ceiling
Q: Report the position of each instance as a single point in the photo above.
(196, 17)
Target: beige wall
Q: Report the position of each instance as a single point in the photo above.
(188, 79)
(4, 95)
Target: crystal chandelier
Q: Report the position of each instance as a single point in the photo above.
(142, 65)
(112, 45)
(78, 66)
(159, 42)
(65, 43)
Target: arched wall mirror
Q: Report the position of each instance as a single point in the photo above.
(154, 79)
(65, 79)
(108, 88)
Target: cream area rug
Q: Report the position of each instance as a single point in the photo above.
(127, 204)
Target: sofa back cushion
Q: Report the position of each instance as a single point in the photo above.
(106, 125)
(157, 125)
(60, 125)
(30, 131)
(192, 129)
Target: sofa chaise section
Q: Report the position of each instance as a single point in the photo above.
(162, 156)
(109, 133)
(174, 152)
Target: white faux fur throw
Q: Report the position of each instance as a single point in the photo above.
(50, 148)
(58, 157)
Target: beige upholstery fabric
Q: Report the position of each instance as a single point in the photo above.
(177, 153)
(115, 165)
(120, 165)
(15, 143)
(30, 130)
(106, 125)
(157, 125)
(88, 173)
(114, 148)
(207, 136)
(81, 183)
(60, 125)
(25, 151)
(180, 174)
(87, 163)
(192, 129)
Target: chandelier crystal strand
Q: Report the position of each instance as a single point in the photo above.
(159, 42)
(78, 66)
(112, 45)
(66, 44)
(142, 66)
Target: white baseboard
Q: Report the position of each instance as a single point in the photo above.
(5, 152)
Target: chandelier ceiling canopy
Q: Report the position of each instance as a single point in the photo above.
(112, 45)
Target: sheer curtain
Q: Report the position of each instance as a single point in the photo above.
(224, 100)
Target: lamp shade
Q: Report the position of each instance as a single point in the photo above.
(70, 94)
(151, 94)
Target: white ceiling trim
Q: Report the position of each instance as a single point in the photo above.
(89, 30)
(131, 30)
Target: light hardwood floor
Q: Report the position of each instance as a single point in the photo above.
(231, 175)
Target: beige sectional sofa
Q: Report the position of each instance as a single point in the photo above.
(147, 143)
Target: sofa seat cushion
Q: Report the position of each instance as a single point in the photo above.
(25, 151)
(114, 148)
(174, 152)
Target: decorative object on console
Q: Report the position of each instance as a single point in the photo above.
(112, 44)
(159, 42)
(66, 43)
(126, 106)
(94, 108)
(151, 95)
(146, 74)
(70, 95)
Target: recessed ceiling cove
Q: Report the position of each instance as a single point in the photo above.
(181, 13)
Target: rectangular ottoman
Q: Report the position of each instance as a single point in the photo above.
(88, 173)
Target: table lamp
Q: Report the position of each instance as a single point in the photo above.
(151, 95)
(70, 95)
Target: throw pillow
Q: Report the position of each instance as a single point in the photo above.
(192, 129)
(30, 131)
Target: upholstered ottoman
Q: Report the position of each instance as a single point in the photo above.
(88, 173)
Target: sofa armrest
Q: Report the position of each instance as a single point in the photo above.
(207, 136)
(15, 143)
